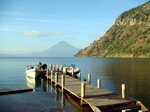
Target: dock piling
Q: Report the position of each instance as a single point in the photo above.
(47, 72)
(83, 84)
(63, 82)
(51, 67)
(79, 76)
(56, 78)
(61, 69)
(56, 67)
(51, 75)
(64, 70)
(123, 91)
(72, 73)
(98, 83)
(89, 78)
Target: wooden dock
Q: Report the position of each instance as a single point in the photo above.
(100, 100)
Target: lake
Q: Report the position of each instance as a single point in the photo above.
(113, 72)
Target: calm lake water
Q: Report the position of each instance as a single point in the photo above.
(135, 73)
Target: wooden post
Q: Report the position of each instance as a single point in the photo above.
(123, 91)
(51, 80)
(63, 82)
(79, 76)
(51, 67)
(83, 84)
(89, 78)
(98, 83)
(58, 66)
(61, 69)
(47, 73)
(127, 110)
(56, 79)
(64, 70)
(55, 67)
(72, 73)
(51, 75)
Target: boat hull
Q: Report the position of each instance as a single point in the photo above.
(33, 73)
(75, 71)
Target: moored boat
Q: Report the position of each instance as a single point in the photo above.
(72, 69)
(35, 71)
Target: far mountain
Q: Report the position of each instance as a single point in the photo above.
(61, 49)
(128, 37)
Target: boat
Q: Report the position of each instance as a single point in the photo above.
(72, 68)
(35, 71)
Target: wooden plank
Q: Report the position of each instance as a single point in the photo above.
(12, 91)
(105, 102)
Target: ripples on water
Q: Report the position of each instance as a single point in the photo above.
(135, 73)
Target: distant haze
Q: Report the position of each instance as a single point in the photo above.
(61, 49)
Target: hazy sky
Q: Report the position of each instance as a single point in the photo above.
(36, 25)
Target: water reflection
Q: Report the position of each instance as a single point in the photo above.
(45, 84)
(135, 73)
(59, 97)
(62, 100)
(56, 94)
(33, 82)
(38, 83)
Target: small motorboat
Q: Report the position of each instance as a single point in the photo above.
(72, 68)
(35, 71)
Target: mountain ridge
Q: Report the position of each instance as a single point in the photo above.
(128, 37)
(61, 49)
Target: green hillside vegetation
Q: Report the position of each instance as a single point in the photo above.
(128, 37)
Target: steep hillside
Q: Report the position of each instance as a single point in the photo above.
(128, 37)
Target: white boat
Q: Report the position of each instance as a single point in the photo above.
(35, 71)
(32, 71)
(72, 68)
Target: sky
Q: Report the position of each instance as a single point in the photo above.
(36, 25)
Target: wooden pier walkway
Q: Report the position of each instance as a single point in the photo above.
(100, 100)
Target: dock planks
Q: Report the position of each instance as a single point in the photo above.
(97, 98)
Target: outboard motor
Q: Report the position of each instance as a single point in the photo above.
(44, 66)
